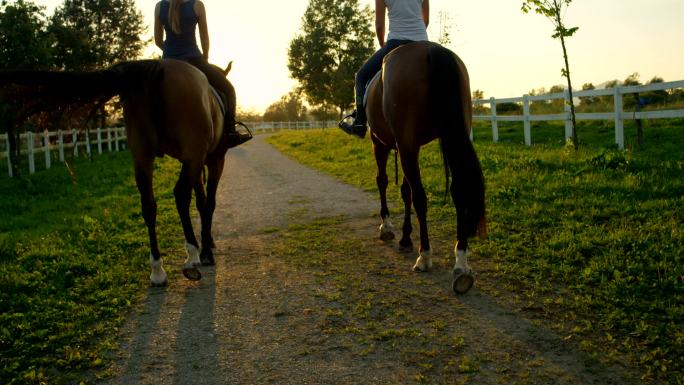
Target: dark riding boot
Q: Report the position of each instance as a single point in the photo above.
(235, 138)
(358, 126)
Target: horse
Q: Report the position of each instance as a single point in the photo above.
(421, 94)
(169, 109)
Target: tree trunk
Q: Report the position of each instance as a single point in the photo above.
(575, 140)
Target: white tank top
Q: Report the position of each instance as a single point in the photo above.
(406, 20)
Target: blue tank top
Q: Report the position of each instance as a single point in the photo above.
(183, 45)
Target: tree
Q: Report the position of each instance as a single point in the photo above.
(290, 107)
(554, 10)
(336, 39)
(24, 41)
(479, 109)
(94, 34)
(25, 44)
(444, 28)
(588, 100)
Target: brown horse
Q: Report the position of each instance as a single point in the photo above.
(423, 94)
(169, 109)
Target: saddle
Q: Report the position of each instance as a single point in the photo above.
(365, 94)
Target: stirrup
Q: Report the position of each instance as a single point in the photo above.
(353, 129)
(236, 138)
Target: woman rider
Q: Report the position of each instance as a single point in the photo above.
(178, 19)
(408, 21)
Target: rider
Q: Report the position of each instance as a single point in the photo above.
(408, 21)
(178, 19)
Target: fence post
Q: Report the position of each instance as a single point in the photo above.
(60, 139)
(109, 139)
(619, 123)
(526, 120)
(87, 132)
(568, 116)
(47, 149)
(99, 140)
(74, 140)
(29, 145)
(495, 123)
(116, 139)
(9, 156)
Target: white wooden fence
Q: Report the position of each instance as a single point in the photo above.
(114, 138)
(42, 145)
(257, 127)
(618, 115)
(33, 144)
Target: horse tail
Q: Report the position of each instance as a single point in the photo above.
(450, 96)
(49, 91)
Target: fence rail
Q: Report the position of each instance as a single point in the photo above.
(257, 127)
(114, 138)
(618, 115)
(78, 141)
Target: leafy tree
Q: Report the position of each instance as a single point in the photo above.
(93, 34)
(24, 41)
(323, 113)
(289, 108)
(554, 10)
(444, 24)
(588, 100)
(336, 39)
(480, 109)
(656, 97)
(25, 44)
(248, 115)
(557, 103)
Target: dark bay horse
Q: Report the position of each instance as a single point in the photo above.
(423, 94)
(169, 109)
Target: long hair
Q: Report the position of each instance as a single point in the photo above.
(174, 15)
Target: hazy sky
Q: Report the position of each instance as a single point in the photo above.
(507, 52)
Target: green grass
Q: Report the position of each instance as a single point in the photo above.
(593, 237)
(73, 258)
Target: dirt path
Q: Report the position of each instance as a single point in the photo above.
(256, 319)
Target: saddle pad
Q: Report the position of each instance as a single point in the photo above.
(365, 94)
(219, 99)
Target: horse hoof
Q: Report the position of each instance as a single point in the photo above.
(462, 283)
(192, 273)
(208, 261)
(159, 284)
(386, 236)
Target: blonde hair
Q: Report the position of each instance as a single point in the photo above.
(174, 15)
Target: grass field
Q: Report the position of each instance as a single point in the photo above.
(73, 257)
(592, 239)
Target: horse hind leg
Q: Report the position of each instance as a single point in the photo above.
(183, 193)
(462, 274)
(215, 169)
(406, 229)
(143, 179)
(381, 154)
(409, 163)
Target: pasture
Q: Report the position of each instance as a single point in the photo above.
(588, 244)
(72, 260)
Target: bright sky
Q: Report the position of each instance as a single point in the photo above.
(507, 52)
